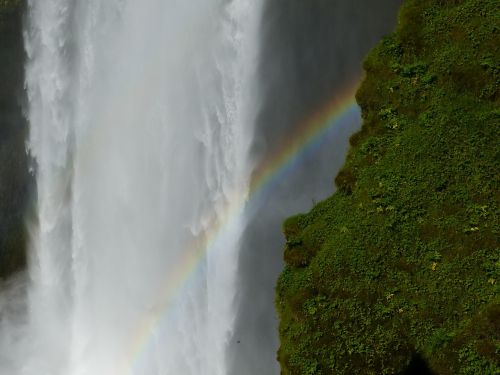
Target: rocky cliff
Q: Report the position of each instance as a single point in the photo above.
(14, 176)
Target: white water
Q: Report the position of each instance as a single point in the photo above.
(141, 119)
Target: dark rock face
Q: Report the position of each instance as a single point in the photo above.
(310, 50)
(14, 176)
(417, 366)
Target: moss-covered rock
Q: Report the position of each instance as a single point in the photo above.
(403, 261)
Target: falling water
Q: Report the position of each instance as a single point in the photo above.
(141, 117)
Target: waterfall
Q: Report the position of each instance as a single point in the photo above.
(141, 116)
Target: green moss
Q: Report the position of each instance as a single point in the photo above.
(404, 260)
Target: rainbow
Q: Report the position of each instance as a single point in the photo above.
(308, 134)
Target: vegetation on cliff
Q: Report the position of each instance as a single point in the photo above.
(403, 261)
(14, 177)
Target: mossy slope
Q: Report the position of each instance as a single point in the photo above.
(404, 260)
